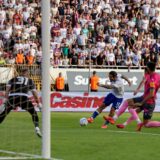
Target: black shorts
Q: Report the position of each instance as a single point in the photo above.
(138, 100)
(59, 90)
(93, 90)
(148, 111)
(20, 101)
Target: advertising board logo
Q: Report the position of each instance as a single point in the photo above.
(81, 80)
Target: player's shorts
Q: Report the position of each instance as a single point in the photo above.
(138, 100)
(112, 99)
(20, 101)
(148, 110)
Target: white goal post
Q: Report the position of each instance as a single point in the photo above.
(46, 136)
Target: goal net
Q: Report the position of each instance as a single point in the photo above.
(17, 132)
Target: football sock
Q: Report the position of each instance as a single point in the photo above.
(122, 108)
(95, 114)
(115, 117)
(35, 118)
(129, 120)
(5, 112)
(134, 114)
(125, 123)
(152, 124)
(106, 123)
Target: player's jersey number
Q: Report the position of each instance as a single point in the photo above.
(22, 80)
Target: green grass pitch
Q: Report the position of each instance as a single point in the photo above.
(70, 141)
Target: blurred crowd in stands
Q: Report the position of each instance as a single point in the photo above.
(100, 32)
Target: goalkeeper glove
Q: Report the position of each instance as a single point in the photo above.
(39, 106)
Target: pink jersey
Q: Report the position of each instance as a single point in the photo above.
(152, 81)
(146, 76)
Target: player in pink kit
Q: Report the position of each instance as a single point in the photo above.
(145, 102)
(148, 104)
(131, 103)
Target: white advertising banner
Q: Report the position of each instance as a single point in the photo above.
(79, 101)
(78, 79)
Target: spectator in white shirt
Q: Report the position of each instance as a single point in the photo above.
(101, 44)
(113, 40)
(111, 58)
(128, 63)
(82, 39)
(145, 23)
(26, 14)
(146, 8)
(77, 29)
(2, 16)
(136, 59)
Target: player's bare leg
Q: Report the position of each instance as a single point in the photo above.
(6, 110)
(111, 114)
(129, 120)
(35, 120)
(126, 104)
(96, 113)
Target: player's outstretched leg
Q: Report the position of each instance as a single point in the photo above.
(121, 110)
(35, 120)
(38, 132)
(152, 124)
(121, 126)
(130, 119)
(6, 110)
(111, 114)
(96, 113)
(148, 124)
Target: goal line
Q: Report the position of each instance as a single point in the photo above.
(20, 155)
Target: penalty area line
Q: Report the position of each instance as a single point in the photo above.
(128, 132)
(24, 155)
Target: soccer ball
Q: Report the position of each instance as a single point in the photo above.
(83, 121)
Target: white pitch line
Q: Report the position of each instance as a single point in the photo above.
(128, 132)
(114, 131)
(19, 153)
(26, 155)
(7, 158)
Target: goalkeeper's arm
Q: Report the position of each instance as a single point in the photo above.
(36, 97)
(8, 87)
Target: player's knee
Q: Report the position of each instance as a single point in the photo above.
(130, 101)
(146, 124)
(102, 107)
(111, 114)
(112, 111)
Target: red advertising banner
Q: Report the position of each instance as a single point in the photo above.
(75, 101)
(78, 101)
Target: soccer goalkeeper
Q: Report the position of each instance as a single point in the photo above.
(17, 96)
